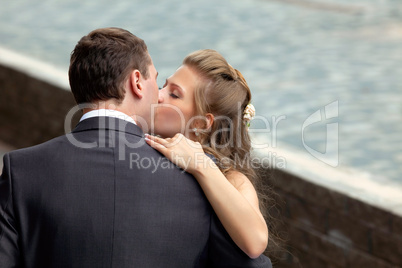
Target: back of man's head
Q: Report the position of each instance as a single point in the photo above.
(101, 62)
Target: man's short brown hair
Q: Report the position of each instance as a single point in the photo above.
(101, 62)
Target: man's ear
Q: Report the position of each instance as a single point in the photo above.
(135, 84)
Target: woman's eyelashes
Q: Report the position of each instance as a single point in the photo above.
(174, 96)
(173, 92)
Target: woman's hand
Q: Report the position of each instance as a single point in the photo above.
(182, 151)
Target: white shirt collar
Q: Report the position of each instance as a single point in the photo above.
(109, 113)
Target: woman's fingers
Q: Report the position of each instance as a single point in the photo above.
(179, 149)
(156, 145)
(167, 142)
(179, 143)
(156, 139)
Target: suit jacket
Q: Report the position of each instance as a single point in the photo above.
(101, 197)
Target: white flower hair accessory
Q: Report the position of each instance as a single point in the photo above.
(248, 114)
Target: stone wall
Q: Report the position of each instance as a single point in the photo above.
(325, 228)
(322, 226)
(31, 110)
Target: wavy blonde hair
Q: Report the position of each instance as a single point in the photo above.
(223, 92)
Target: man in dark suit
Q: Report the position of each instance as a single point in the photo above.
(100, 196)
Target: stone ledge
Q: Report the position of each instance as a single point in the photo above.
(379, 192)
(36, 69)
(334, 229)
(34, 101)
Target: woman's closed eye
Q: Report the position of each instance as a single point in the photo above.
(174, 96)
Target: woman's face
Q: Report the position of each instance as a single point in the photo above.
(176, 103)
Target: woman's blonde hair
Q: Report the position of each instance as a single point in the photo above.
(223, 92)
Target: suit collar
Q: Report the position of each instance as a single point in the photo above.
(110, 123)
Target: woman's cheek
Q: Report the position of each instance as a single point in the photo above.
(169, 121)
(170, 114)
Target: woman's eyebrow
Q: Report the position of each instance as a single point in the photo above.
(176, 86)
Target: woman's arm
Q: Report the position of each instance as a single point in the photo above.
(233, 199)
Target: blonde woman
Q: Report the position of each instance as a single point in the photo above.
(202, 120)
